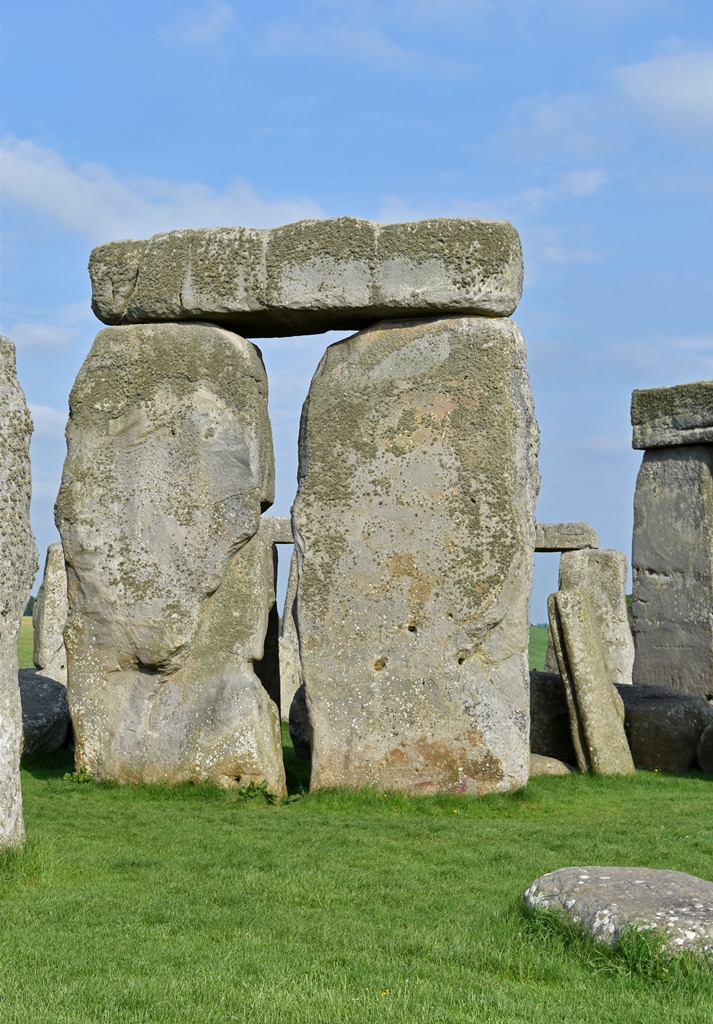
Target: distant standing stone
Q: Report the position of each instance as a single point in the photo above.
(669, 417)
(18, 557)
(49, 617)
(290, 668)
(602, 573)
(672, 569)
(565, 536)
(316, 275)
(595, 707)
(605, 900)
(169, 464)
(414, 522)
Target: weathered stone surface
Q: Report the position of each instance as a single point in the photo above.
(301, 732)
(540, 765)
(170, 581)
(279, 529)
(602, 574)
(290, 668)
(704, 750)
(605, 900)
(565, 536)
(550, 730)
(18, 557)
(672, 569)
(313, 276)
(45, 712)
(596, 710)
(667, 417)
(663, 726)
(415, 535)
(49, 617)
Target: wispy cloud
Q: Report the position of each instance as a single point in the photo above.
(90, 200)
(363, 42)
(576, 184)
(204, 24)
(677, 89)
(49, 423)
(44, 330)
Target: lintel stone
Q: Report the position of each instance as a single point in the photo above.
(669, 417)
(312, 276)
(565, 537)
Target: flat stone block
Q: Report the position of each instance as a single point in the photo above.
(278, 529)
(604, 901)
(565, 536)
(313, 276)
(668, 417)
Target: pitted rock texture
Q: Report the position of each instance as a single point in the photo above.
(49, 617)
(602, 574)
(596, 710)
(414, 528)
(18, 557)
(667, 417)
(290, 668)
(279, 529)
(605, 900)
(313, 276)
(45, 712)
(170, 581)
(565, 536)
(672, 569)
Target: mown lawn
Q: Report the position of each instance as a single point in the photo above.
(25, 643)
(538, 647)
(155, 905)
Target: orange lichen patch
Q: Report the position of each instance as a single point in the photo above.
(460, 765)
(404, 564)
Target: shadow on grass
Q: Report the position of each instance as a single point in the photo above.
(49, 766)
(297, 772)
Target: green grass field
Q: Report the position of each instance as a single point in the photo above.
(538, 647)
(24, 643)
(157, 905)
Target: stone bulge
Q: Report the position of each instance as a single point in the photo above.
(169, 464)
(18, 557)
(313, 276)
(414, 527)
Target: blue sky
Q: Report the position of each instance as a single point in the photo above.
(587, 123)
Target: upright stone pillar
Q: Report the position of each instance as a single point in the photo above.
(672, 555)
(169, 463)
(18, 558)
(290, 669)
(414, 525)
(49, 617)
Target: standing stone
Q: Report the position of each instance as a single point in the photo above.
(18, 557)
(596, 709)
(316, 275)
(290, 669)
(672, 568)
(49, 617)
(603, 575)
(169, 464)
(414, 525)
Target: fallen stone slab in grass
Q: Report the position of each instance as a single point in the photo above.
(565, 536)
(316, 275)
(45, 712)
(668, 417)
(604, 901)
(540, 765)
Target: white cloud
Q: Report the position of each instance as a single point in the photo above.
(206, 24)
(49, 423)
(92, 201)
(578, 184)
(360, 42)
(676, 88)
(41, 330)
